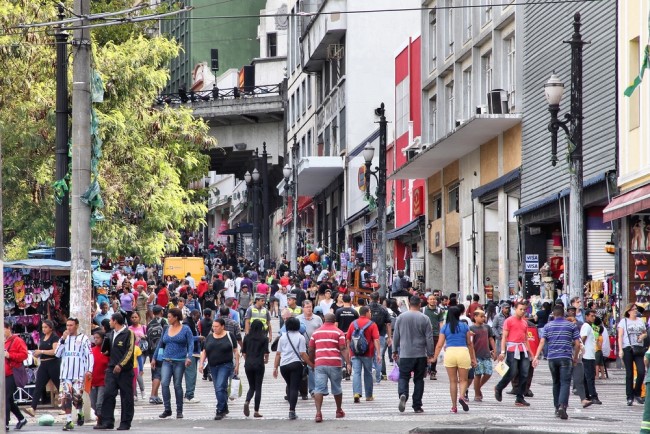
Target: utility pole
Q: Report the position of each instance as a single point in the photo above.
(80, 273)
(381, 203)
(294, 228)
(62, 237)
(256, 211)
(266, 211)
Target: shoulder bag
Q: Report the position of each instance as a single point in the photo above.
(637, 350)
(305, 367)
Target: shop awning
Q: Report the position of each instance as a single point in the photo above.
(496, 184)
(246, 228)
(402, 230)
(39, 264)
(303, 202)
(371, 224)
(627, 203)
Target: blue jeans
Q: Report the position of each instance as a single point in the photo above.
(357, 364)
(311, 381)
(380, 368)
(517, 367)
(561, 371)
(175, 369)
(220, 375)
(190, 378)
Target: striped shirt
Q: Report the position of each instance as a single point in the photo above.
(560, 335)
(76, 357)
(326, 343)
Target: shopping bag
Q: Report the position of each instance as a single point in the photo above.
(501, 368)
(394, 374)
(235, 389)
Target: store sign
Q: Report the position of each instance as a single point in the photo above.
(532, 263)
(418, 201)
(361, 178)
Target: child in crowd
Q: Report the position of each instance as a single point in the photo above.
(99, 371)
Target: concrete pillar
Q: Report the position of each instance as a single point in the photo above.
(504, 259)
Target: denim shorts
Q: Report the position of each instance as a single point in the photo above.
(483, 367)
(156, 374)
(322, 374)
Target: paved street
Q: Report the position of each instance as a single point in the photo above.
(382, 414)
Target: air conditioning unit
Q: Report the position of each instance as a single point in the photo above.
(482, 109)
(335, 51)
(498, 102)
(459, 122)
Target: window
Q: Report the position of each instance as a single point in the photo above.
(451, 121)
(297, 110)
(402, 111)
(309, 144)
(467, 93)
(335, 142)
(511, 70)
(308, 91)
(326, 151)
(487, 74)
(467, 21)
(433, 115)
(292, 114)
(486, 13)
(402, 188)
(450, 29)
(304, 96)
(303, 148)
(433, 40)
(327, 78)
(271, 44)
(634, 101)
(342, 131)
(437, 207)
(319, 89)
(453, 195)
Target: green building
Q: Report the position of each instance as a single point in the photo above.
(234, 38)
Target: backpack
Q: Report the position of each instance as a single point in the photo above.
(154, 333)
(359, 343)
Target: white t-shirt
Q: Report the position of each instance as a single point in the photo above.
(325, 305)
(590, 342)
(631, 331)
(282, 299)
(287, 353)
(238, 284)
(229, 285)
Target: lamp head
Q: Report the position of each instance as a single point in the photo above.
(247, 177)
(256, 175)
(286, 172)
(368, 153)
(553, 89)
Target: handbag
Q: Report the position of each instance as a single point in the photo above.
(637, 350)
(305, 367)
(19, 372)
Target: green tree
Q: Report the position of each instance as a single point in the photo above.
(150, 158)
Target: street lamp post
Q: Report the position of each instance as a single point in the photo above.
(572, 126)
(291, 185)
(380, 175)
(266, 212)
(252, 180)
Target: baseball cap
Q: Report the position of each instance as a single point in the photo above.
(157, 309)
(291, 296)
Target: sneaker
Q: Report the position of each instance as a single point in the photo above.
(21, 423)
(80, 420)
(219, 416)
(357, 398)
(152, 400)
(563, 414)
(596, 401)
(522, 403)
(511, 392)
(292, 415)
(30, 411)
(192, 400)
(179, 415)
(165, 414)
(557, 412)
(69, 426)
(639, 400)
(347, 377)
(402, 403)
(498, 394)
(529, 394)
(370, 398)
(629, 402)
(418, 410)
(247, 410)
(432, 376)
(159, 400)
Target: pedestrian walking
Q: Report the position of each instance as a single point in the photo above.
(497, 324)
(98, 383)
(177, 344)
(631, 335)
(15, 353)
(119, 345)
(459, 356)
(50, 365)
(155, 331)
(191, 371)
(76, 367)
(412, 350)
(363, 343)
(589, 357)
(563, 341)
(140, 333)
(219, 351)
(515, 350)
(289, 358)
(312, 323)
(327, 349)
(645, 424)
(484, 345)
(381, 317)
(255, 350)
(437, 318)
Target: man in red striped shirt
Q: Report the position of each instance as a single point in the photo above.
(326, 349)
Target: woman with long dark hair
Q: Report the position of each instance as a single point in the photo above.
(459, 356)
(49, 366)
(255, 350)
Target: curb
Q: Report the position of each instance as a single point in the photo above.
(485, 430)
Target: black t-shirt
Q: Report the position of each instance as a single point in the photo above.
(255, 349)
(219, 351)
(346, 316)
(380, 316)
(217, 285)
(210, 300)
(300, 295)
(46, 345)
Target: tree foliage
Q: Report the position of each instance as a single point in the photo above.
(150, 155)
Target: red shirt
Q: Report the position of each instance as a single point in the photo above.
(517, 331)
(99, 367)
(472, 307)
(17, 350)
(371, 334)
(201, 288)
(262, 288)
(163, 298)
(533, 339)
(284, 281)
(327, 341)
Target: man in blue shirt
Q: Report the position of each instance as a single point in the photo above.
(563, 339)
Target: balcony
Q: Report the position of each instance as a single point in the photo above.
(322, 31)
(464, 139)
(316, 173)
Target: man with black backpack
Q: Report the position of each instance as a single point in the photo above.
(155, 330)
(381, 317)
(363, 342)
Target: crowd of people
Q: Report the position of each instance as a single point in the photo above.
(202, 326)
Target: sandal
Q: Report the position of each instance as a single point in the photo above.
(463, 403)
(454, 409)
(318, 418)
(256, 414)
(340, 414)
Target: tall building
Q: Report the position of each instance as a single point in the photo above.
(198, 32)
(470, 147)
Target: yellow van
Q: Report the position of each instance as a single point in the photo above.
(180, 266)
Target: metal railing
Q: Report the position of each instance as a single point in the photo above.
(216, 94)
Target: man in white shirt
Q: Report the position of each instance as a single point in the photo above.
(191, 280)
(238, 282)
(229, 287)
(589, 357)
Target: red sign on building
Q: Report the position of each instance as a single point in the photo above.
(418, 201)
